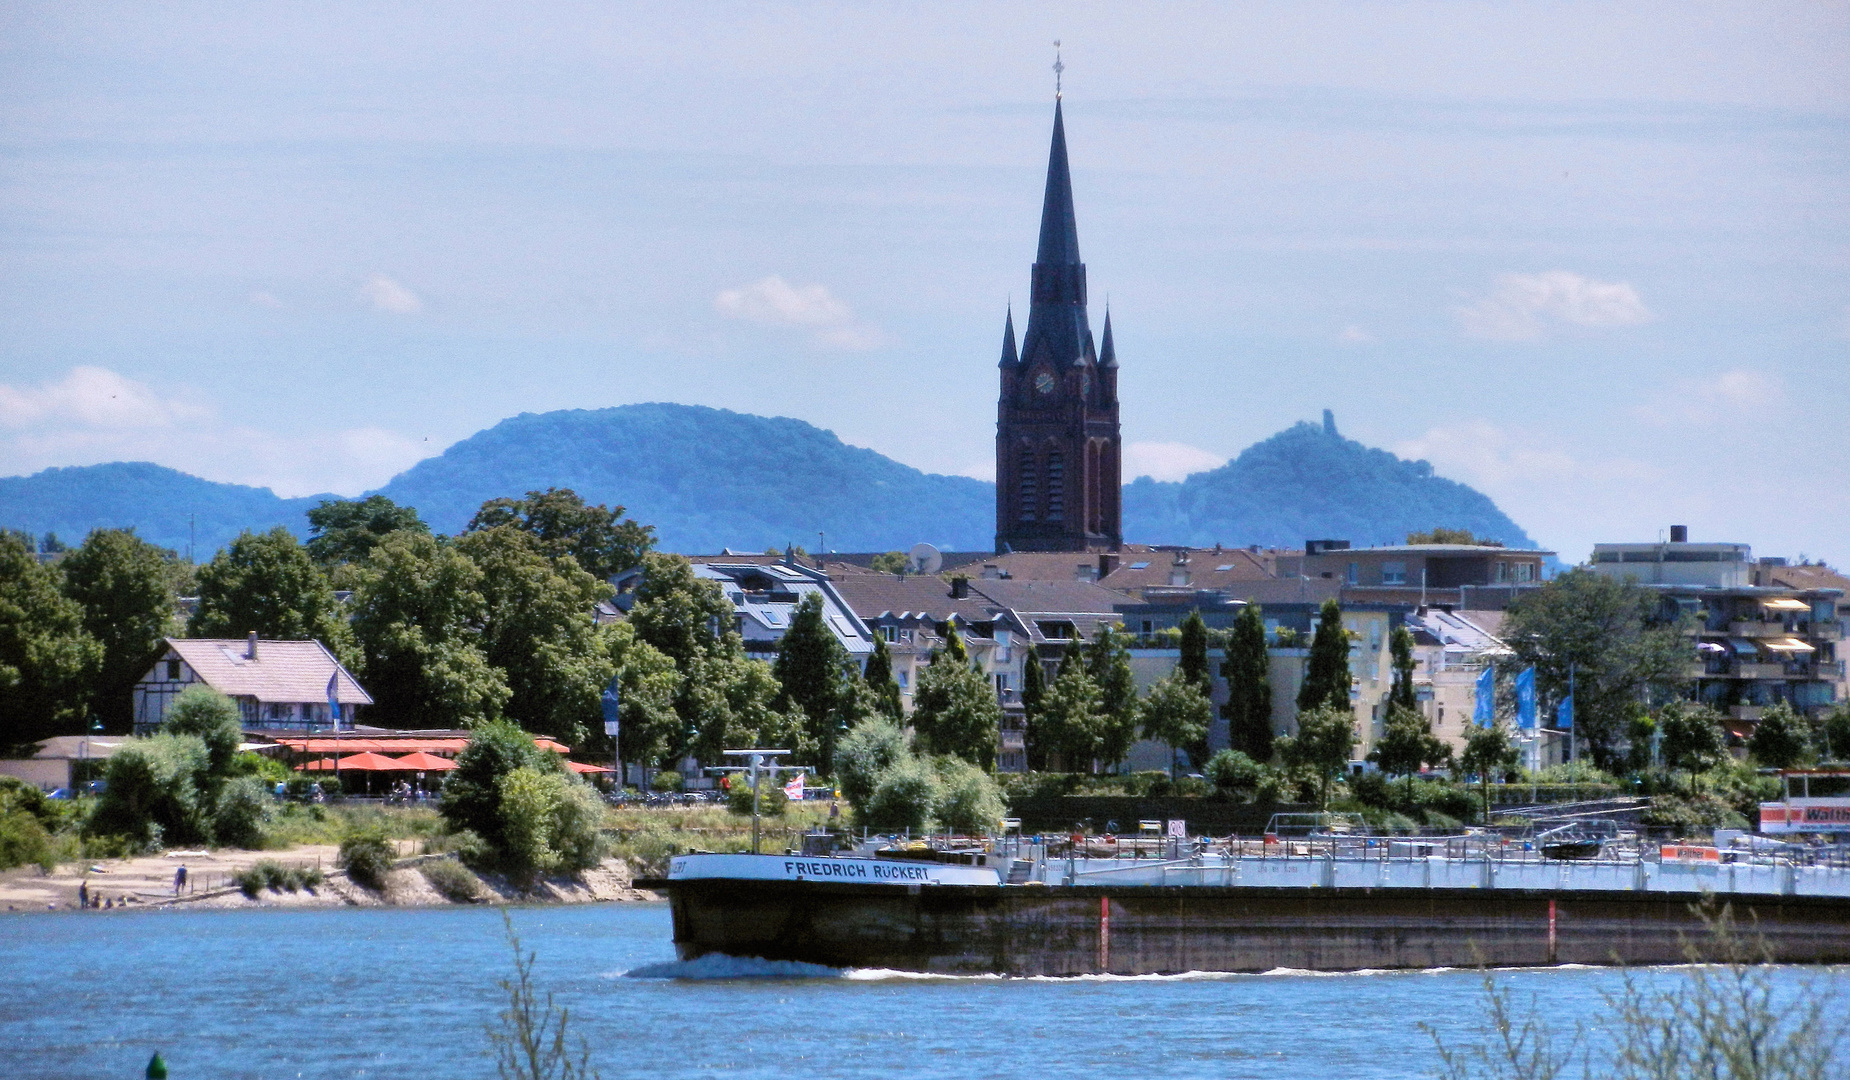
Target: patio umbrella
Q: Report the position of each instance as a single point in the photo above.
(325, 764)
(580, 767)
(369, 762)
(422, 762)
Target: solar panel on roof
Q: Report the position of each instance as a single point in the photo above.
(1223, 568)
(1140, 566)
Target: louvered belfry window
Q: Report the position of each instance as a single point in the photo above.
(1056, 487)
(1028, 489)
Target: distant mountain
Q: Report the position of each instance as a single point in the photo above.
(1310, 483)
(709, 479)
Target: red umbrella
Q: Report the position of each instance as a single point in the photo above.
(579, 767)
(423, 762)
(325, 764)
(369, 762)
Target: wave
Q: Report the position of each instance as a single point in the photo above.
(715, 966)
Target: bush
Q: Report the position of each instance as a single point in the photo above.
(970, 804)
(549, 824)
(1234, 773)
(367, 857)
(904, 798)
(244, 808)
(270, 874)
(332, 787)
(867, 750)
(300, 787)
(772, 802)
(452, 880)
(1149, 784)
(153, 793)
(472, 791)
(666, 780)
(267, 769)
(23, 841)
(1693, 814)
(213, 719)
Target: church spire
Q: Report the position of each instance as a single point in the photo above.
(1009, 357)
(1058, 333)
(1107, 355)
(1059, 230)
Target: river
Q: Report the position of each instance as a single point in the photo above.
(410, 992)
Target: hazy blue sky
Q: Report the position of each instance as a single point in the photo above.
(1593, 259)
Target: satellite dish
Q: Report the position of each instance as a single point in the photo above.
(924, 559)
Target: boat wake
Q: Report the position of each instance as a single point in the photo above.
(716, 966)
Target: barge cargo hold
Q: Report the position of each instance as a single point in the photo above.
(1321, 912)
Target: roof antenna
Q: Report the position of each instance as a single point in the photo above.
(1058, 67)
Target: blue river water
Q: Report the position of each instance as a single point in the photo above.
(411, 993)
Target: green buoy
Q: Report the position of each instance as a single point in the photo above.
(157, 1069)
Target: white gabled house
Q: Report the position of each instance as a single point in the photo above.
(278, 685)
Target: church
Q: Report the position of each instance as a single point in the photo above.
(1058, 454)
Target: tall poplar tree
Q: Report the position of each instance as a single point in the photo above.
(1108, 664)
(1193, 665)
(1400, 645)
(879, 677)
(1033, 694)
(1326, 676)
(811, 667)
(1249, 686)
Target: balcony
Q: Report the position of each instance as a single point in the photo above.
(1014, 741)
(1825, 631)
(1828, 670)
(1744, 670)
(1746, 712)
(1756, 629)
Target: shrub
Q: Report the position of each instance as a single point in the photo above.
(549, 823)
(267, 769)
(868, 749)
(213, 719)
(367, 857)
(331, 787)
(153, 793)
(452, 880)
(270, 874)
(23, 841)
(971, 803)
(300, 787)
(771, 799)
(1693, 814)
(244, 808)
(472, 792)
(666, 780)
(1234, 773)
(904, 798)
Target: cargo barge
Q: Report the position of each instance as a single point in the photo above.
(1332, 905)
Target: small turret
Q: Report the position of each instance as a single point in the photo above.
(1010, 358)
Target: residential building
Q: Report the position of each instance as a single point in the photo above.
(913, 612)
(278, 685)
(63, 761)
(764, 596)
(1450, 650)
(1462, 576)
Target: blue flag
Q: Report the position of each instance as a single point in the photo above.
(1485, 713)
(334, 697)
(1564, 714)
(1525, 699)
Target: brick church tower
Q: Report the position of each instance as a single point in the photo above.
(1057, 443)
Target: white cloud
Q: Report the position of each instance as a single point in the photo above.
(1733, 397)
(772, 301)
(1168, 460)
(388, 295)
(1355, 335)
(1521, 306)
(94, 415)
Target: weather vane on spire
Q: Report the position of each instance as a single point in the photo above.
(1058, 67)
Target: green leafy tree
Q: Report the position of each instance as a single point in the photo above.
(890, 562)
(347, 530)
(955, 712)
(418, 610)
(868, 749)
(1780, 740)
(1605, 633)
(1326, 674)
(1033, 693)
(812, 670)
(1693, 737)
(954, 647)
(1176, 712)
(47, 659)
(1400, 647)
(969, 803)
(549, 823)
(1072, 717)
(1249, 687)
(1233, 772)
(1323, 744)
(879, 678)
(1193, 664)
(686, 617)
(906, 796)
(728, 701)
(152, 793)
(539, 632)
(214, 720)
(472, 790)
(1835, 744)
(1108, 663)
(647, 686)
(599, 538)
(1489, 753)
(1407, 743)
(265, 582)
(125, 585)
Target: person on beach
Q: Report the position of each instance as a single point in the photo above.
(83, 894)
(179, 879)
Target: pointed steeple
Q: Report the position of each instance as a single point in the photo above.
(1010, 358)
(1107, 355)
(1059, 230)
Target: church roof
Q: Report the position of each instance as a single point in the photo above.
(1058, 331)
(1108, 355)
(1009, 356)
(1059, 230)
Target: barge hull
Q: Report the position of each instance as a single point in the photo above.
(1140, 930)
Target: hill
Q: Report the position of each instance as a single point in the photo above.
(709, 479)
(1308, 482)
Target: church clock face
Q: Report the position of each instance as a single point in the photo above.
(1043, 383)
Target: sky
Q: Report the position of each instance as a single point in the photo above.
(1591, 259)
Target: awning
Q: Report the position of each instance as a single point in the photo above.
(1787, 645)
(1744, 648)
(580, 767)
(548, 744)
(1711, 647)
(423, 762)
(1786, 604)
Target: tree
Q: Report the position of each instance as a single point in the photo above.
(152, 793)
(1326, 674)
(213, 719)
(890, 562)
(1108, 663)
(728, 701)
(266, 583)
(1780, 739)
(47, 658)
(905, 796)
(537, 628)
(418, 610)
(1249, 688)
(1408, 743)
(599, 538)
(1400, 646)
(125, 585)
(1836, 740)
(647, 685)
(472, 790)
(954, 712)
(1176, 712)
(1325, 739)
(968, 801)
(1072, 717)
(347, 530)
(812, 670)
(1693, 737)
(1442, 535)
(879, 678)
(954, 647)
(685, 616)
(1488, 751)
(1193, 664)
(1033, 693)
(1604, 632)
(864, 753)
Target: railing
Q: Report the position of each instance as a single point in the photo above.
(1754, 628)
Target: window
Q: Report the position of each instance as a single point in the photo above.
(1503, 573)
(1030, 493)
(173, 671)
(1355, 573)
(891, 633)
(1525, 572)
(900, 675)
(1149, 627)
(1393, 573)
(1056, 486)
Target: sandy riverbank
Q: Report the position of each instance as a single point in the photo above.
(148, 881)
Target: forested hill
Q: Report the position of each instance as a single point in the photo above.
(1305, 483)
(708, 479)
